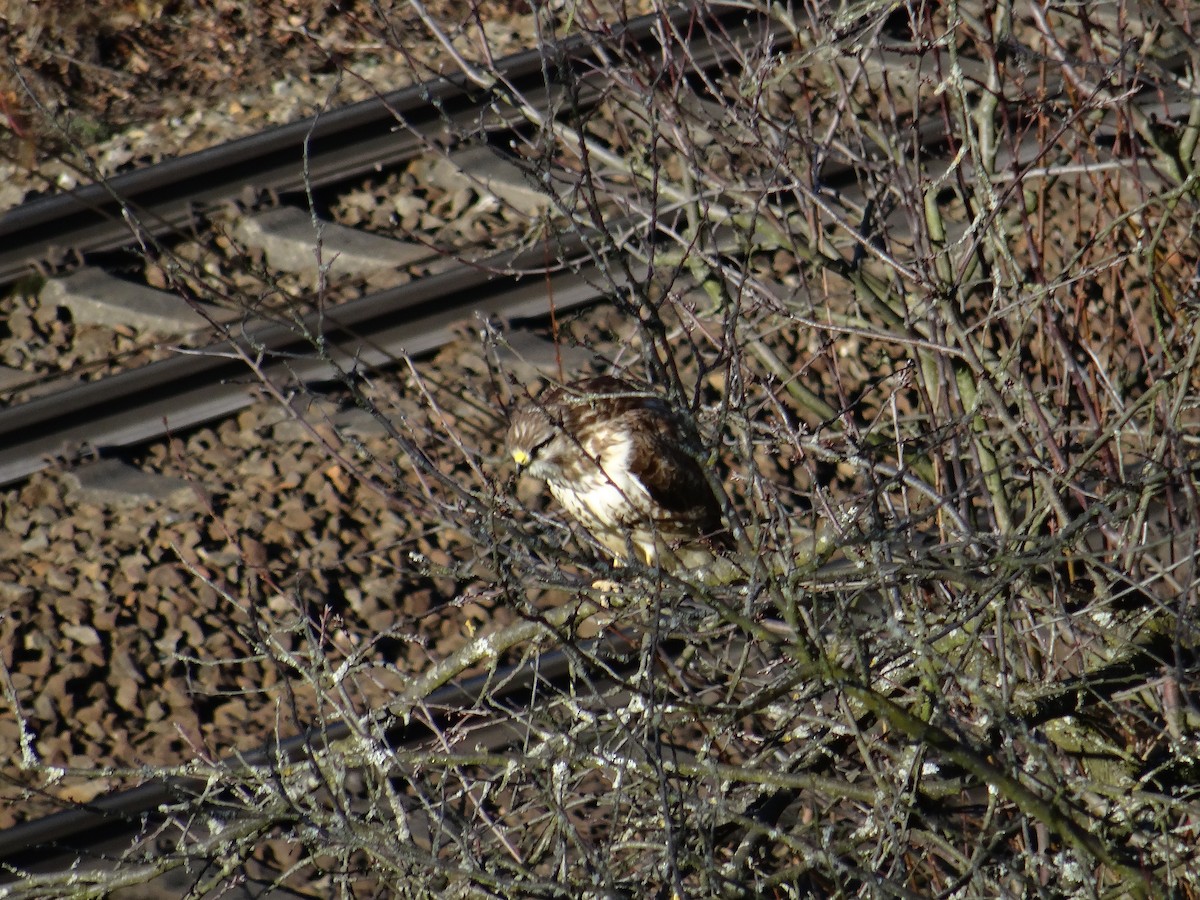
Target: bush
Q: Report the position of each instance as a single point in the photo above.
(922, 276)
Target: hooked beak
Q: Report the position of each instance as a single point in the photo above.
(521, 458)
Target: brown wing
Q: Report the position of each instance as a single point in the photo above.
(671, 474)
(659, 459)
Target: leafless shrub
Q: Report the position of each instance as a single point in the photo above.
(923, 275)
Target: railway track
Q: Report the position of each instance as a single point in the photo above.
(136, 825)
(146, 208)
(177, 394)
(174, 395)
(141, 209)
(150, 204)
(137, 209)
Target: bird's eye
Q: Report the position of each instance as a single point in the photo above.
(523, 457)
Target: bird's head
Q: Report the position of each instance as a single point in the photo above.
(531, 442)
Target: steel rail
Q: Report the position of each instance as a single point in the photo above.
(201, 386)
(110, 828)
(322, 149)
(189, 389)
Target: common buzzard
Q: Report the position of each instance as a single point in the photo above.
(617, 458)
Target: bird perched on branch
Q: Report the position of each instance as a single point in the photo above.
(620, 461)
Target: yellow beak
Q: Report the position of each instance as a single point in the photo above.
(521, 458)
